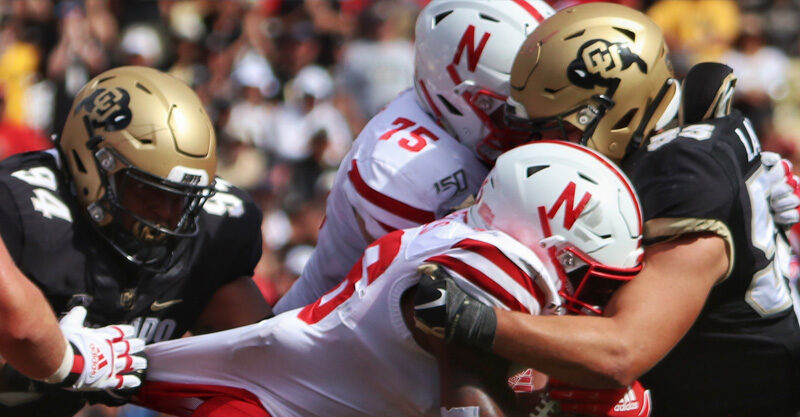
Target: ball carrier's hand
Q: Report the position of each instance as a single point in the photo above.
(443, 309)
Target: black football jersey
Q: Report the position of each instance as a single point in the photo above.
(742, 355)
(55, 246)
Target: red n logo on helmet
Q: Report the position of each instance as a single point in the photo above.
(571, 212)
(468, 42)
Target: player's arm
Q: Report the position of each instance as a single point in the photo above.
(235, 304)
(30, 339)
(643, 321)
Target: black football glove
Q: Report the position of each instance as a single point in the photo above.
(444, 310)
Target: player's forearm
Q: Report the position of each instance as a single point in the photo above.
(30, 339)
(587, 351)
(644, 319)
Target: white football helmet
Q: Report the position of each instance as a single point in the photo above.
(572, 205)
(463, 55)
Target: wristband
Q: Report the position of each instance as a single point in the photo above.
(474, 324)
(65, 368)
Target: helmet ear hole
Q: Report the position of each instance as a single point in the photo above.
(78, 163)
(439, 17)
(450, 107)
(625, 120)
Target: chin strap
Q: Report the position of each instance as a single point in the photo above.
(638, 135)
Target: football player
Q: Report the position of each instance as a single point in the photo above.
(709, 320)
(355, 351)
(431, 147)
(126, 219)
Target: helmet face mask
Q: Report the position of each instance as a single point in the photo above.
(140, 199)
(140, 151)
(601, 67)
(571, 206)
(151, 216)
(576, 125)
(463, 55)
(497, 137)
(587, 285)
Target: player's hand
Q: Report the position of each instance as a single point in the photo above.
(633, 401)
(103, 359)
(444, 310)
(784, 189)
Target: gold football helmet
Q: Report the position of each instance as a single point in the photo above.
(599, 69)
(136, 133)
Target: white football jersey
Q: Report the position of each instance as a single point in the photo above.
(402, 171)
(350, 352)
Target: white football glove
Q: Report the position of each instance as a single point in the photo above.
(98, 359)
(784, 189)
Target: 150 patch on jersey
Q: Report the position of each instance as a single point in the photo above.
(457, 179)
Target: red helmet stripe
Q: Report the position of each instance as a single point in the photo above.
(436, 111)
(530, 9)
(451, 70)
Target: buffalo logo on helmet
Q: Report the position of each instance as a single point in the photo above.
(599, 63)
(107, 108)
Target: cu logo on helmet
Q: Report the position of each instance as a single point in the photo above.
(600, 63)
(107, 108)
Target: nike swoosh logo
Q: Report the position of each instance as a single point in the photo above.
(435, 303)
(162, 305)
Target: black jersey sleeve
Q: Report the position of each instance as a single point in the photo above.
(236, 238)
(684, 189)
(10, 223)
(247, 234)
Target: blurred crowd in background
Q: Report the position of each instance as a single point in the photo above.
(290, 83)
